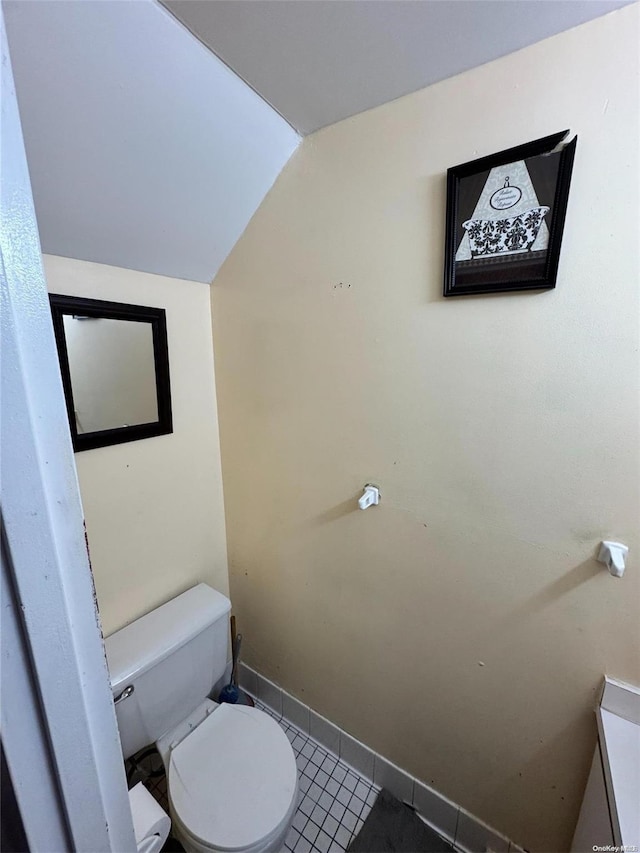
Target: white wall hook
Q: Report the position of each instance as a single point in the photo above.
(370, 496)
(613, 555)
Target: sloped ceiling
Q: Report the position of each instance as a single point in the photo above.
(145, 151)
(319, 62)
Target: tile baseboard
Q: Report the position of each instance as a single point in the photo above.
(466, 832)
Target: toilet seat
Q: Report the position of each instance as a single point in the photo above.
(233, 781)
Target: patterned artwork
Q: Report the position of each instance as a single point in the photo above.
(489, 231)
(501, 215)
(504, 236)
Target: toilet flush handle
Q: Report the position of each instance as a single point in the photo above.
(125, 694)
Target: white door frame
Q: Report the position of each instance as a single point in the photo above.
(59, 730)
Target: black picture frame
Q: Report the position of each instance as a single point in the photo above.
(98, 308)
(488, 251)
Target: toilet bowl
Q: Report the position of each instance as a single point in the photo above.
(232, 779)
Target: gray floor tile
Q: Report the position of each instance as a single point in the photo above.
(343, 836)
(329, 764)
(332, 787)
(362, 790)
(356, 805)
(330, 825)
(343, 796)
(310, 770)
(299, 820)
(322, 842)
(314, 792)
(307, 806)
(337, 810)
(303, 783)
(303, 846)
(321, 778)
(349, 820)
(326, 800)
(318, 815)
(310, 832)
(350, 781)
(291, 839)
(339, 773)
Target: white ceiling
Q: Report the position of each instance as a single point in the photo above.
(319, 61)
(145, 151)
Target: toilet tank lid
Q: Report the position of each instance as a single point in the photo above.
(137, 647)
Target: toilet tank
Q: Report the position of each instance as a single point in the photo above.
(171, 657)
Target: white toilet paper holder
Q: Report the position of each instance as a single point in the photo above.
(613, 555)
(370, 496)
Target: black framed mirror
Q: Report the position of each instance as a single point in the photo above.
(114, 362)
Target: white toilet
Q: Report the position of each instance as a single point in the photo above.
(231, 772)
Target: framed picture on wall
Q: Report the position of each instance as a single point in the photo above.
(505, 218)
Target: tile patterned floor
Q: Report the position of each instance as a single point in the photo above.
(333, 800)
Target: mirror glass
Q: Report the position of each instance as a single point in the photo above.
(112, 371)
(115, 370)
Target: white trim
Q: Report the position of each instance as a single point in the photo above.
(46, 570)
(24, 734)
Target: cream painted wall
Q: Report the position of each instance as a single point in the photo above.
(154, 508)
(462, 627)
